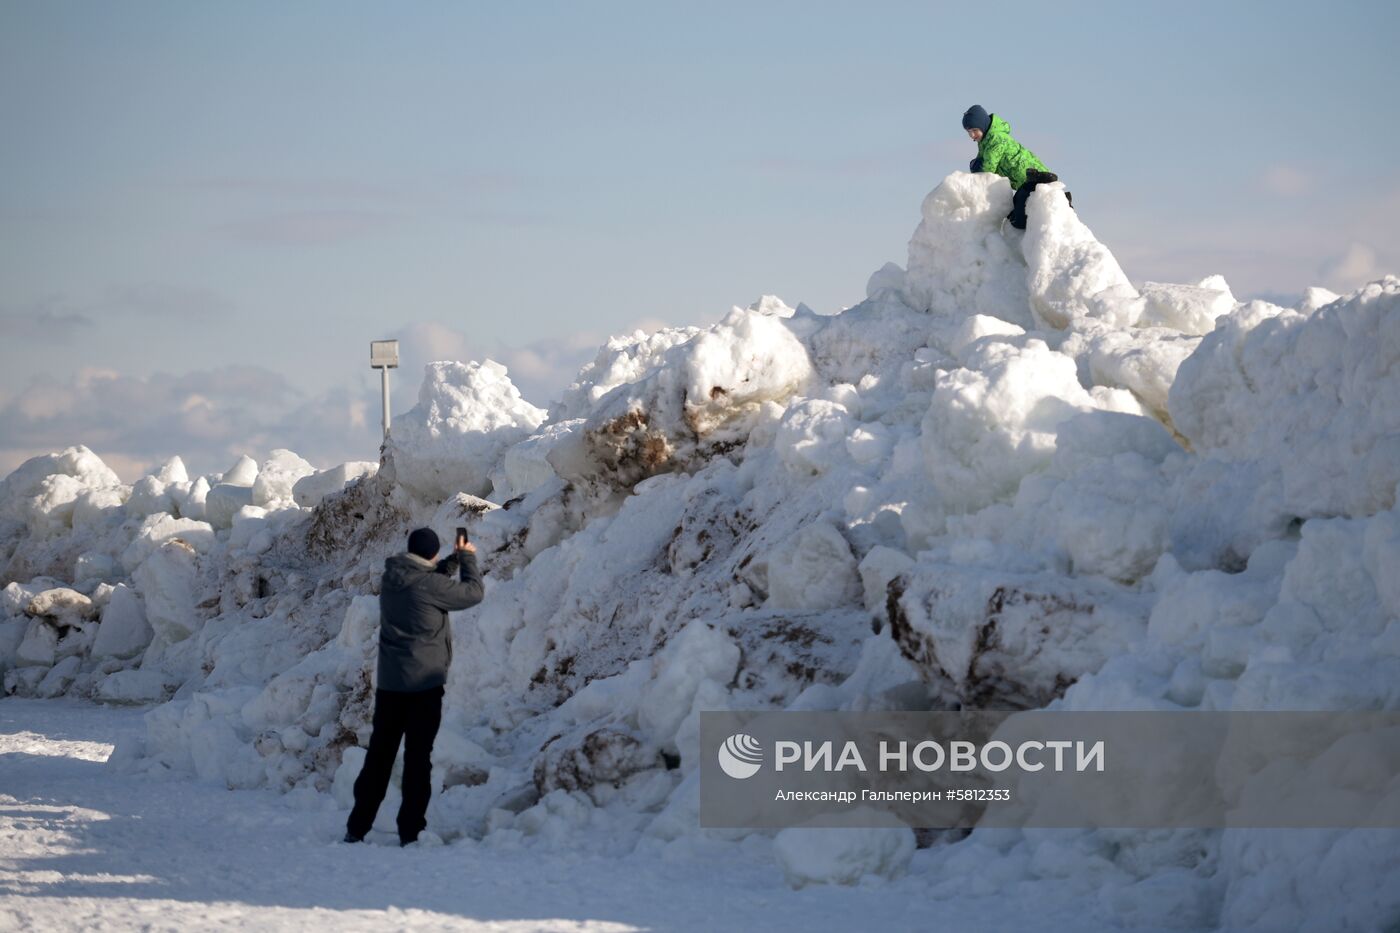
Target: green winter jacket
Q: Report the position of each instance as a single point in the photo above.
(1003, 155)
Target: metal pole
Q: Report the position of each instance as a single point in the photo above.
(384, 380)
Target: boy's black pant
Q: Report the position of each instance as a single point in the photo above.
(415, 718)
(1018, 200)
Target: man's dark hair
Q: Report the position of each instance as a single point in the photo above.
(423, 542)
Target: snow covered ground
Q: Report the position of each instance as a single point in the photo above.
(84, 846)
(1009, 478)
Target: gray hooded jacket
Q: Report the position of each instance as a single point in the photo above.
(415, 596)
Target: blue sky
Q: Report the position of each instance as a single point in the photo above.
(208, 210)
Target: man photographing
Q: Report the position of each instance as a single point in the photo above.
(415, 650)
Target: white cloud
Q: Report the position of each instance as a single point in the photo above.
(207, 417)
(44, 322)
(425, 342)
(1285, 180)
(1352, 269)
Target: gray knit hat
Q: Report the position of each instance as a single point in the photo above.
(976, 119)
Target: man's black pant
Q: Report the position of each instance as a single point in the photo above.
(415, 718)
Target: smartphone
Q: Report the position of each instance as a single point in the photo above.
(462, 534)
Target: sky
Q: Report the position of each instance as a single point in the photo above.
(208, 210)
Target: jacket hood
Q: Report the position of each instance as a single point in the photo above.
(998, 126)
(402, 570)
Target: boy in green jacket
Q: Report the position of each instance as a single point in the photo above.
(998, 152)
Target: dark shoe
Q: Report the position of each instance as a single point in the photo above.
(351, 837)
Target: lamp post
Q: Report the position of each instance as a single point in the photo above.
(384, 356)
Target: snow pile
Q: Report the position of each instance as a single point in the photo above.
(273, 487)
(702, 394)
(309, 490)
(841, 856)
(959, 264)
(139, 558)
(1009, 478)
(467, 415)
(620, 361)
(124, 632)
(1191, 309)
(1071, 276)
(44, 493)
(994, 419)
(233, 491)
(1299, 413)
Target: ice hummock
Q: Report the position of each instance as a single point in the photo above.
(1157, 496)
